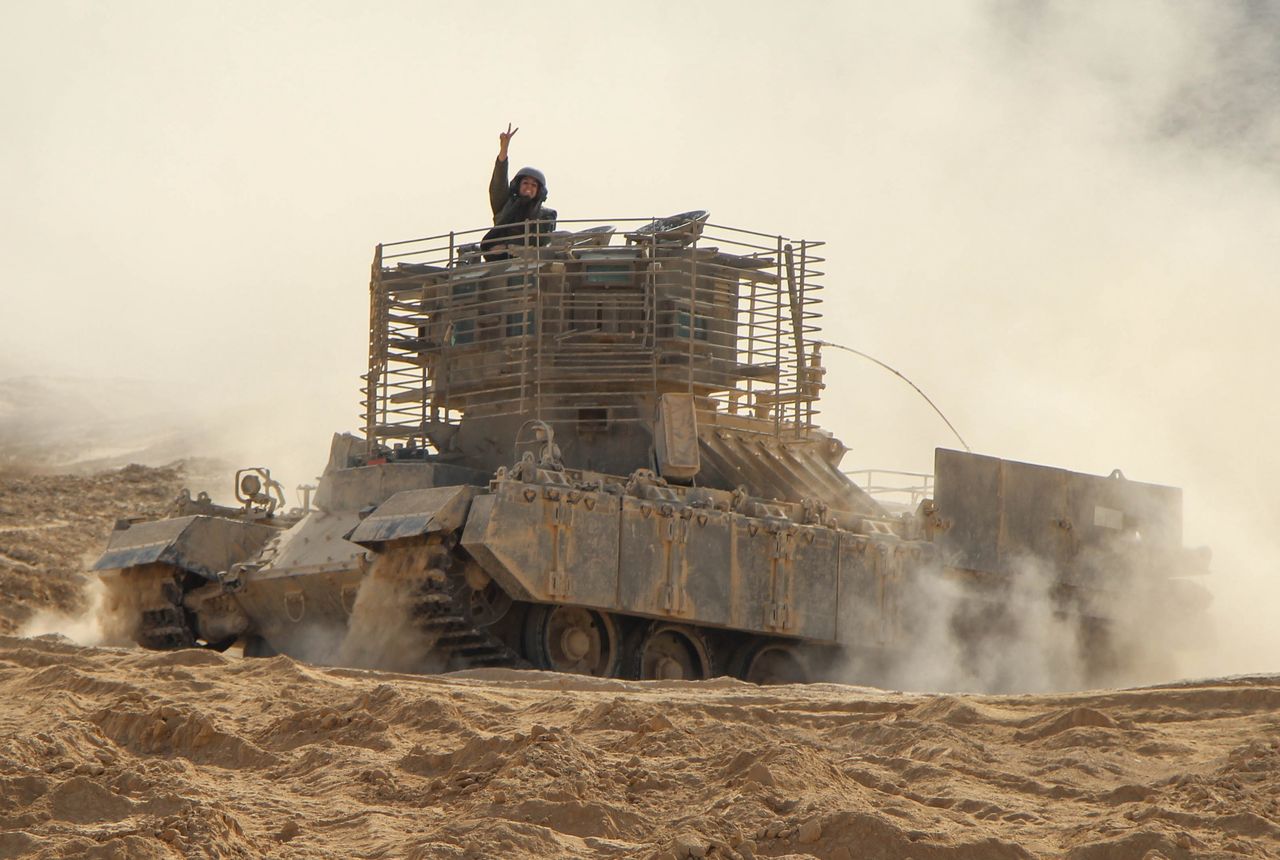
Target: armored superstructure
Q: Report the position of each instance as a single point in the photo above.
(596, 451)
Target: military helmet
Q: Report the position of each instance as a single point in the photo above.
(536, 175)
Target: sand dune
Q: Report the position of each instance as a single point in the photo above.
(125, 753)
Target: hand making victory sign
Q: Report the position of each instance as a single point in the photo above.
(504, 140)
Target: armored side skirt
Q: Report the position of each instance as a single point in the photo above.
(704, 566)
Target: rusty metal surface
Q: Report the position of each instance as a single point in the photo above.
(664, 568)
(547, 543)
(790, 469)
(657, 555)
(201, 544)
(814, 570)
(410, 513)
(876, 576)
(675, 436)
(304, 612)
(367, 486)
(1003, 512)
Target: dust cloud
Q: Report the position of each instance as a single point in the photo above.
(82, 425)
(385, 629)
(947, 639)
(108, 616)
(86, 627)
(1060, 219)
(1073, 252)
(954, 634)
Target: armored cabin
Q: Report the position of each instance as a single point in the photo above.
(667, 344)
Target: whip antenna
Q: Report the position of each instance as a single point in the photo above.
(904, 379)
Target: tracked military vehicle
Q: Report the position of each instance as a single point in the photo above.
(596, 451)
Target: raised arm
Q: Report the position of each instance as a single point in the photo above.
(498, 183)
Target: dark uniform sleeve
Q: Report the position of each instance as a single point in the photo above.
(499, 187)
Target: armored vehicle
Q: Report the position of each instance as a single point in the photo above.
(596, 451)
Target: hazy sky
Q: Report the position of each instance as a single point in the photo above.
(1061, 220)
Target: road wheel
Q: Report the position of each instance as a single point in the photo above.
(486, 605)
(572, 639)
(670, 652)
(766, 662)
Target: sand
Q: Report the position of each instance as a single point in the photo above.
(52, 527)
(132, 754)
(125, 753)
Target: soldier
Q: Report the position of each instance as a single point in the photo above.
(518, 212)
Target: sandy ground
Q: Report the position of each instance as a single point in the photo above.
(124, 753)
(52, 526)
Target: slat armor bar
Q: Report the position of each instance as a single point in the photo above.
(589, 326)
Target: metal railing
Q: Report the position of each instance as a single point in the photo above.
(588, 324)
(894, 487)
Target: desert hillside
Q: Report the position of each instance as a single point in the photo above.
(52, 526)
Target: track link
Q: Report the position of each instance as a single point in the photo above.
(165, 630)
(442, 613)
(161, 622)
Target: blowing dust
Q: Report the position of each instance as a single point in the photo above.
(94, 625)
(109, 617)
(385, 631)
(1027, 635)
(1098, 208)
